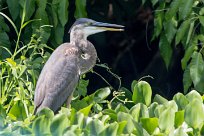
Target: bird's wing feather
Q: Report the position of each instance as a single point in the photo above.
(58, 78)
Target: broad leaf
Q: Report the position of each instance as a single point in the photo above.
(122, 116)
(165, 49)
(80, 9)
(170, 29)
(13, 6)
(142, 93)
(197, 69)
(59, 124)
(194, 114)
(181, 32)
(175, 4)
(187, 81)
(149, 124)
(181, 101)
(179, 118)
(166, 120)
(63, 12)
(188, 53)
(185, 9)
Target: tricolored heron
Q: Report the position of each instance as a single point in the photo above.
(61, 73)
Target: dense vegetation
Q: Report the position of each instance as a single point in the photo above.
(108, 111)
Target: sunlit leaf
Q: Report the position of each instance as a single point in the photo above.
(180, 100)
(194, 113)
(149, 124)
(179, 118)
(86, 110)
(59, 124)
(142, 93)
(139, 111)
(159, 99)
(166, 120)
(122, 116)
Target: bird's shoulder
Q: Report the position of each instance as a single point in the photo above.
(68, 49)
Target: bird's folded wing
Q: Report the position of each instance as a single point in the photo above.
(57, 80)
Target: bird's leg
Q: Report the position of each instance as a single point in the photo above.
(69, 100)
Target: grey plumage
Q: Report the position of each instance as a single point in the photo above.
(60, 74)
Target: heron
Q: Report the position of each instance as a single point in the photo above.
(61, 73)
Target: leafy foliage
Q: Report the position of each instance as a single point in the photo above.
(182, 115)
(132, 112)
(181, 23)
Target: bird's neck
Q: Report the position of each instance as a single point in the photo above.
(77, 37)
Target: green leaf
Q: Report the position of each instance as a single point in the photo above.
(166, 120)
(17, 111)
(111, 113)
(142, 93)
(80, 9)
(174, 7)
(5, 45)
(133, 84)
(4, 26)
(95, 127)
(152, 108)
(165, 49)
(86, 110)
(159, 99)
(13, 7)
(41, 126)
(63, 12)
(154, 2)
(185, 9)
(188, 53)
(192, 95)
(59, 124)
(201, 19)
(182, 31)
(102, 94)
(170, 29)
(149, 124)
(82, 87)
(10, 21)
(187, 81)
(121, 127)
(111, 130)
(122, 116)
(121, 108)
(29, 8)
(197, 69)
(180, 100)
(158, 20)
(190, 32)
(179, 118)
(139, 111)
(194, 113)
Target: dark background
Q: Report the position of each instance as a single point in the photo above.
(130, 54)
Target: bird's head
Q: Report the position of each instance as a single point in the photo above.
(86, 27)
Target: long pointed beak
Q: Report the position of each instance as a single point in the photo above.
(108, 27)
